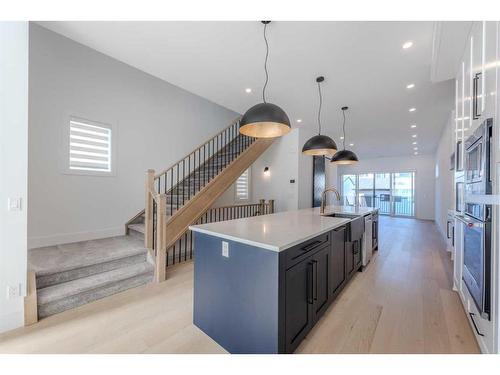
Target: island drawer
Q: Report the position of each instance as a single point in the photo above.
(298, 252)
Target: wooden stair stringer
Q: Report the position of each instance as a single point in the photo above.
(204, 199)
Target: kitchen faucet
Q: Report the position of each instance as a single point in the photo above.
(323, 196)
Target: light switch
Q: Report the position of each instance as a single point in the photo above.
(225, 249)
(14, 204)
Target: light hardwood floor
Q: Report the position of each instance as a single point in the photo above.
(402, 303)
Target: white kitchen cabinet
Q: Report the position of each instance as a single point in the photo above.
(479, 69)
(467, 89)
(477, 74)
(490, 70)
(458, 250)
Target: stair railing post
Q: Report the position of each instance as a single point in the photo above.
(262, 206)
(148, 212)
(161, 241)
(271, 206)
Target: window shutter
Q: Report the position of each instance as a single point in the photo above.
(89, 147)
(242, 187)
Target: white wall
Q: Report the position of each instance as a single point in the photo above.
(423, 165)
(13, 168)
(156, 122)
(305, 179)
(282, 160)
(445, 178)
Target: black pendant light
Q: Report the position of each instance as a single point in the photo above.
(265, 120)
(344, 157)
(320, 145)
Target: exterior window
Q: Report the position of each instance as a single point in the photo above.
(89, 148)
(243, 186)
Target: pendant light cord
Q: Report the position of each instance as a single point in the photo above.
(265, 66)
(343, 128)
(319, 110)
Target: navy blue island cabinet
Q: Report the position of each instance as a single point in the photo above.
(251, 299)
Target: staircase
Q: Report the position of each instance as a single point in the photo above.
(70, 275)
(67, 276)
(180, 195)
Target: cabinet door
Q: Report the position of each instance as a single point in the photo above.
(477, 60)
(357, 253)
(490, 68)
(298, 303)
(321, 281)
(349, 259)
(467, 90)
(337, 259)
(375, 232)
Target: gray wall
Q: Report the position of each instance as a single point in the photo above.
(157, 123)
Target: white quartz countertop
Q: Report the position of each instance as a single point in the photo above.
(281, 230)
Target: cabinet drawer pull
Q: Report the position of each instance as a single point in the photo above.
(311, 246)
(474, 324)
(315, 271)
(309, 283)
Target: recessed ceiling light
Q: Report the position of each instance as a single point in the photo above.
(413, 109)
(299, 120)
(351, 144)
(414, 136)
(415, 148)
(416, 153)
(407, 44)
(248, 90)
(410, 86)
(413, 126)
(414, 143)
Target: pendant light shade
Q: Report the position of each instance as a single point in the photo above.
(319, 145)
(344, 157)
(265, 120)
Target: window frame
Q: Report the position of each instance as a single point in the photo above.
(65, 167)
(249, 184)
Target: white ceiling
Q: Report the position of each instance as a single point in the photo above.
(363, 63)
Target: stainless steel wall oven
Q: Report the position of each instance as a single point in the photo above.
(477, 218)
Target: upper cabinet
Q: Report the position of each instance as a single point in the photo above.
(490, 65)
(476, 81)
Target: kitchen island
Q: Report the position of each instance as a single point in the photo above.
(261, 283)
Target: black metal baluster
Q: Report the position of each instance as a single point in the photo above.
(183, 181)
(189, 176)
(192, 245)
(177, 189)
(171, 189)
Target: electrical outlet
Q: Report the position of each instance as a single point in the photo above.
(225, 249)
(12, 292)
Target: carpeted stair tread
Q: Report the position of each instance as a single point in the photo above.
(61, 258)
(92, 295)
(71, 288)
(138, 227)
(43, 281)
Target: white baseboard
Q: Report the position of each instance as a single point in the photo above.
(58, 239)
